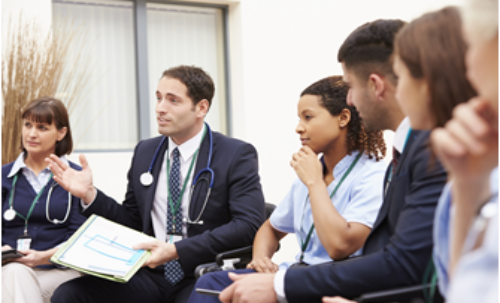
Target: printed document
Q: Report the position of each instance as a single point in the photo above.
(104, 248)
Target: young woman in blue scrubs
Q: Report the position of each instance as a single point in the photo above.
(37, 214)
(335, 200)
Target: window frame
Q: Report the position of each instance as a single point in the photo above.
(142, 69)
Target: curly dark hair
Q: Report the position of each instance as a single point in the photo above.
(333, 95)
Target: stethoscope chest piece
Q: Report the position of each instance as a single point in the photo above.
(9, 214)
(146, 179)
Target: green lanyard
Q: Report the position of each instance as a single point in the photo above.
(175, 207)
(11, 202)
(308, 238)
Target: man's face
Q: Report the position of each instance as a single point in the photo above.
(175, 113)
(364, 99)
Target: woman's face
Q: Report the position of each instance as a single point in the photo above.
(317, 128)
(482, 67)
(413, 97)
(41, 138)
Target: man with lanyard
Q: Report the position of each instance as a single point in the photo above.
(399, 246)
(191, 224)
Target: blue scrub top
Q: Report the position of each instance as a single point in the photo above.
(358, 199)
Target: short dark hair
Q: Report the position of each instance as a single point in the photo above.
(332, 92)
(199, 84)
(46, 110)
(368, 49)
(432, 48)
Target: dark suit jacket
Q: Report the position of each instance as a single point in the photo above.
(234, 212)
(400, 243)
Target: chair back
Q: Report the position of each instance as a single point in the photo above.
(269, 209)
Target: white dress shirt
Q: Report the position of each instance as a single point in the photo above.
(37, 182)
(160, 202)
(159, 211)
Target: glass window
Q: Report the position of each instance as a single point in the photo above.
(187, 35)
(106, 118)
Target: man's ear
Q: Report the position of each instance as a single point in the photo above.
(202, 108)
(378, 84)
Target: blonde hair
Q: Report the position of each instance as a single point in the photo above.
(480, 19)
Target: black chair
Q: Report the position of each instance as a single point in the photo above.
(232, 259)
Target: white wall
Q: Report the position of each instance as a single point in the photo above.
(281, 47)
(277, 48)
(40, 10)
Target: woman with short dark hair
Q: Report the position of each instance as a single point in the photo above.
(38, 215)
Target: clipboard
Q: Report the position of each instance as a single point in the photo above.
(103, 248)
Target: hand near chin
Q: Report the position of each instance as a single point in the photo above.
(307, 166)
(468, 144)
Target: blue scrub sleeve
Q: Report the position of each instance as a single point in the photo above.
(282, 217)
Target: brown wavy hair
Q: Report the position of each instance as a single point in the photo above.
(333, 95)
(432, 48)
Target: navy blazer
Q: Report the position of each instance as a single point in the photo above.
(234, 212)
(45, 235)
(399, 246)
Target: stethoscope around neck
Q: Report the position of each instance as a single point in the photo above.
(11, 213)
(147, 178)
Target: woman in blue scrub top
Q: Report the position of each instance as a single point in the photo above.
(37, 214)
(335, 200)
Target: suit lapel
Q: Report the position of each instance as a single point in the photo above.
(151, 190)
(384, 210)
(406, 149)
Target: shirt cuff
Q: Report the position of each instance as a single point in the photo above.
(279, 285)
(85, 206)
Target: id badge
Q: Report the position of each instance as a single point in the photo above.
(24, 242)
(173, 238)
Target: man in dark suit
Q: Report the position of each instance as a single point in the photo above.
(399, 246)
(190, 230)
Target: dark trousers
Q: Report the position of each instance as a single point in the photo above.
(146, 286)
(214, 281)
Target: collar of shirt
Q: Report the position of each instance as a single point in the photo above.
(343, 164)
(36, 182)
(188, 148)
(19, 164)
(401, 135)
